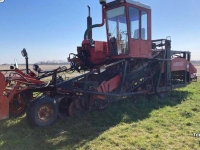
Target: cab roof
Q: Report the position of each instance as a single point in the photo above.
(138, 4)
(118, 2)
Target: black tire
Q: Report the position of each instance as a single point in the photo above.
(43, 111)
(75, 111)
(63, 106)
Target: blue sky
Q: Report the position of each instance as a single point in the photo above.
(51, 29)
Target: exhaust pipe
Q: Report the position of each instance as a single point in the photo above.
(89, 23)
(95, 25)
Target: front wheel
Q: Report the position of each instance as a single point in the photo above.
(42, 111)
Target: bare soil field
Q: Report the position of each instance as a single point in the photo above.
(50, 67)
(43, 67)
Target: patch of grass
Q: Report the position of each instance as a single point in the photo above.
(127, 124)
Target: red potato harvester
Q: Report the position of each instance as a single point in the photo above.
(129, 63)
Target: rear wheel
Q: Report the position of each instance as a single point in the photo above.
(43, 111)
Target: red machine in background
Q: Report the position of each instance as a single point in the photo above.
(18, 85)
(127, 64)
(14, 95)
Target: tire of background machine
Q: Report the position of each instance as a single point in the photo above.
(63, 106)
(74, 111)
(162, 95)
(34, 107)
(71, 109)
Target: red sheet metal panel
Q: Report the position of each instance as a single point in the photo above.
(192, 69)
(4, 107)
(98, 53)
(99, 46)
(4, 104)
(109, 85)
(178, 64)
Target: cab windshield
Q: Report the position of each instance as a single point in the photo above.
(117, 30)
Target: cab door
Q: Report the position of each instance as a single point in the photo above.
(134, 32)
(140, 37)
(145, 34)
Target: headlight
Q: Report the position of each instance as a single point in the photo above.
(24, 53)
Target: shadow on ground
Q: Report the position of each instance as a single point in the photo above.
(72, 133)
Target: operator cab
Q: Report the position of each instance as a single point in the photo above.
(128, 29)
(128, 26)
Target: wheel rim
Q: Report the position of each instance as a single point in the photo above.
(45, 113)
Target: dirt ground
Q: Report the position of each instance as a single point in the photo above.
(43, 67)
(50, 67)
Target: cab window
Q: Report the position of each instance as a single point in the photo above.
(144, 29)
(134, 22)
